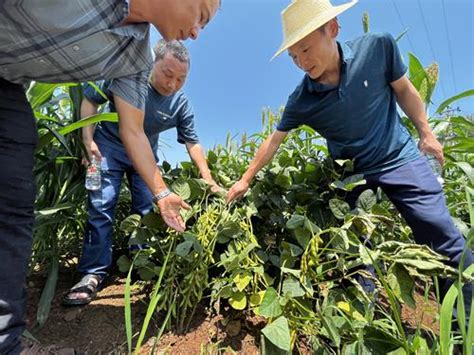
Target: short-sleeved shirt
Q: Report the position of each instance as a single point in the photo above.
(358, 117)
(161, 114)
(75, 41)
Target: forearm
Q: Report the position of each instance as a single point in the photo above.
(137, 145)
(88, 109)
(264, 154)
(411, 103)
(196, 152)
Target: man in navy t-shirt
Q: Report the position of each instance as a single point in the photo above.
(166, 108)
(349, 95)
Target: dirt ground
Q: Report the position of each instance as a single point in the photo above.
(99, 327)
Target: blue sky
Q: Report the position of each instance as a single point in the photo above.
(232, 78)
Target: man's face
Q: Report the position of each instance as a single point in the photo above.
(314, 54)
(186, 18)
(169, 75)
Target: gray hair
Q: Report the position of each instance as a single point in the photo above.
(175, 48)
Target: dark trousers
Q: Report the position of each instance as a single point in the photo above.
(18, 137)
(418, 196)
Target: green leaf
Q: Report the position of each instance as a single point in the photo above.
(455, 98)
(303, 236)
(130, 223)
(349, 183)
(181, 188)
(295, 221)
(293, 288)
(39, 93)
(183, 249)
(339, 208)
(238, 300)
(124, 263)
(153, 221)
(231, 229)
(211, 157)
(256, 298)
(146, 273)
(416, 71)
(47, 138)
(367, 200)
(278, 333)
(47, 295)
(283, 180)
(242, 279)
(270, 306)
(402, 284)
(467, 169)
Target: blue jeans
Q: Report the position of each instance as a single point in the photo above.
(97, 251)
(418, 196)
(18, 137)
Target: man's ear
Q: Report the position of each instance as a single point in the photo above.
(333, 27)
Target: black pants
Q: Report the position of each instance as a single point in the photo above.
(18, 138)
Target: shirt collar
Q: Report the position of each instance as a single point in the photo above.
(346, 55)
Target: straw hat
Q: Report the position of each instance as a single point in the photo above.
(302, 17)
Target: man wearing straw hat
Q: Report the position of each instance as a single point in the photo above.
(349, 95)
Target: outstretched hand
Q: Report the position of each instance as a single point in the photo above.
(170, 208)
(237, 190)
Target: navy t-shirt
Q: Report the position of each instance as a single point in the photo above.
(358, 117)
(161, 113)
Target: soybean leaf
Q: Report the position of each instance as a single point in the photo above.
(366, 200)
(270, 306)
(339, 208)
(238, 300)
(183, 249)
(293, 288)
(278, 333)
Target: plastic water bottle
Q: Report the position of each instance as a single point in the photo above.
(436, 167)
(93, 177)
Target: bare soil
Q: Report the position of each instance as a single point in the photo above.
(99, 328)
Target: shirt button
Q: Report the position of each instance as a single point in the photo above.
(42, 61)
(75, 48)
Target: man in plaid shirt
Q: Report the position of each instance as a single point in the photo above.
(64, 41)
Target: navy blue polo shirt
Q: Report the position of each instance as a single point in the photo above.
(358, 117)
(161, 113)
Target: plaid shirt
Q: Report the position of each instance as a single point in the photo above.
(75, 40)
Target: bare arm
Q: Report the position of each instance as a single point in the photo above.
(139, 151)
(196, 152)
(264, 154)
(88, 109)
(410, 102)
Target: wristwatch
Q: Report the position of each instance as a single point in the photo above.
(159, 196)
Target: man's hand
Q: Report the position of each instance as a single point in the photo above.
(170, 206)
(92, 151)
(237, 190)
(429, 145)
